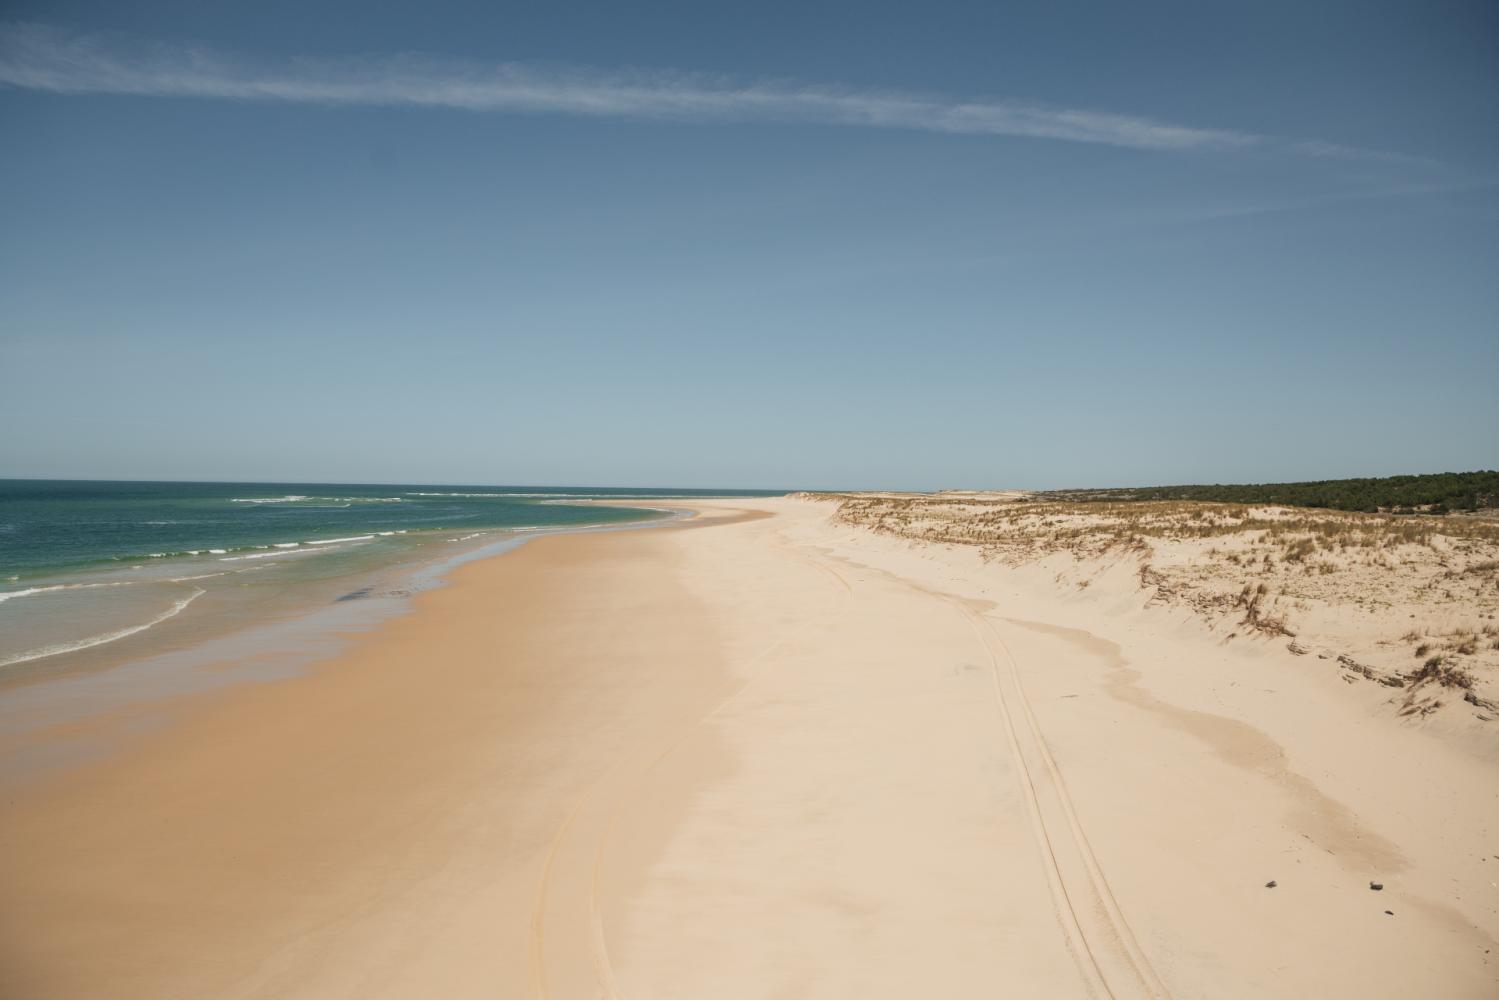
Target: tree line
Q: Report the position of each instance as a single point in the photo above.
(1438, 493)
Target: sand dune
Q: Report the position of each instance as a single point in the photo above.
(773, 754)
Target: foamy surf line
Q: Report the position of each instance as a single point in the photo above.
(254, 551)
(29, 591)
(305, 548)
(344, 501)
(107, 637)
(282, 551)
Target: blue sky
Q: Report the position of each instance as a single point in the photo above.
(823, 245)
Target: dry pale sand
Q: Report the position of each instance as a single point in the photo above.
(768, 755)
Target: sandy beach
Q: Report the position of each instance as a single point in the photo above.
(768, 753)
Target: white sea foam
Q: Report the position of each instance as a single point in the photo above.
(269, 555)
(99, 640)
(286, 545)
(588, 501)
(327, 501)
(416, 494)
(335, 541)
(7, 595)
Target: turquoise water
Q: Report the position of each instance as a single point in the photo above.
(85, 565)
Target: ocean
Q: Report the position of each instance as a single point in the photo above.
(89, 569)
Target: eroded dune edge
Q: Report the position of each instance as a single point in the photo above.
(820, 748)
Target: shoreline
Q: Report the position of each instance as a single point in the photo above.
(141, 553)
(762, 753)
(400, 578)
(113, 688)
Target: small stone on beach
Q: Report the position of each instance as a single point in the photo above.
(1270, 884)
(1376, 886)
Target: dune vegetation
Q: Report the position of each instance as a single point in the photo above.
(1410, 602)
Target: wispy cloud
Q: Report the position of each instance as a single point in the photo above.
(37, 57)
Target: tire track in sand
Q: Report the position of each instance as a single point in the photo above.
(1096, 931)
(1090, 915)
(1098, 935)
